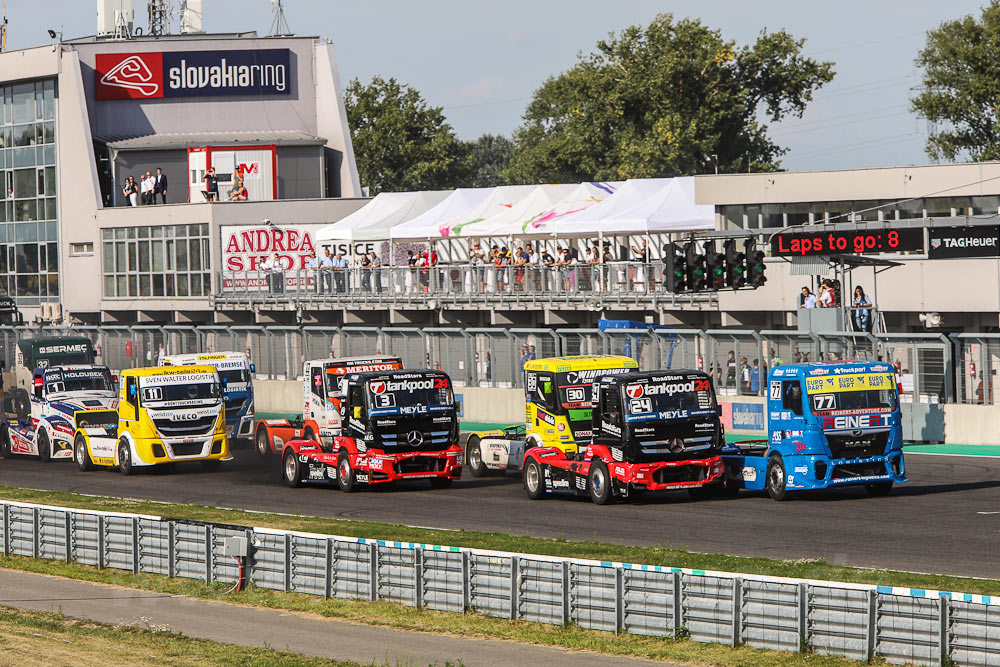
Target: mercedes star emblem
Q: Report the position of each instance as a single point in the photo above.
(414, 438)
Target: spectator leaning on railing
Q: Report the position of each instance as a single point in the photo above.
(313, 265)
(326, 272)
(862, 314)
(807, 299)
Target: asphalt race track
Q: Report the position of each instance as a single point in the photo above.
(945, 520)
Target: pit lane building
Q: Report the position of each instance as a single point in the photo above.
(79, 116)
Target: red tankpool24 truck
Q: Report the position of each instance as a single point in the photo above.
(321, 392)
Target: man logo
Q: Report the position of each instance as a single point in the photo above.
(377, 387)
(634, 390)
(414, 438)
(133, 74)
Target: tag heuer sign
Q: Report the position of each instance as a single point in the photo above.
(122, 76)
(947, 242)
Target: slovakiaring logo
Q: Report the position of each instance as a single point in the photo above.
(978, 241)
(193, 74)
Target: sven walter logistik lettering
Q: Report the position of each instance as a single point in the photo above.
(193, 73)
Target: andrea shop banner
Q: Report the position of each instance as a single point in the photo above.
(979, 241)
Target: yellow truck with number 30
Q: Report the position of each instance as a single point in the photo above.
(165, 415)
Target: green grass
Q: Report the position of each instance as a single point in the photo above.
(664, 555)
(400, 617)
(36, 638)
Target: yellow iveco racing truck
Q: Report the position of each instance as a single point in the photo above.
(165, 415)
(557, 411)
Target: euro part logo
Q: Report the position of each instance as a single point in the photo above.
(129, 76)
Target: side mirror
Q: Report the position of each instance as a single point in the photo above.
(114, 381)
(253, 368)
(718, 409)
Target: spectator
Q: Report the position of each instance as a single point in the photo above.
(366, 273)
(129, 192)
(211, 191)
(606, 260)
(489, 365)
(411, 272)
(520, 262)
(150, 188)
(755, 378)
(641, 253)
(862, 314)
(376, 270)
(532, 266)
(326, 272)
(566, 264)
(548, 272)
(275, 274)
(524, 355)
(143, 189)
(825, 296)
(744, 376)
(807, 299)
(796, 355)
(477, 260)
(239, 192)
(731, 369)
(312, 264)
(160, 186)
(340, 272)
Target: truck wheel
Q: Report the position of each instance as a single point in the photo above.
(291, 470)
(5, 443)
(262, 441)
(345, 474)
(124, 458)
(441, 482)
(879, 489)
(599, 484)
(533, 481)
(21, 404)
(44, 446)
(211, 465)
(776, 479)
(474, 456)
(81, 455)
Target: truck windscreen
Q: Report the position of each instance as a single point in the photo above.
(411, 395)
(852, 394)
(96, 379)
(236, 376)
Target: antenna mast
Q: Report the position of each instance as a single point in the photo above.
(279, 26)
(3, 28)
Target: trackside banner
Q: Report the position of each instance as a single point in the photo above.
(123, 76)
(977, 241)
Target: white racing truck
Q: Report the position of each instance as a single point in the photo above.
(236, 373)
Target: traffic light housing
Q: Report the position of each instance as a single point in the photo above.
(755, 264)
(715, 267)
(694, 264)
(735, 270)
(674, 273)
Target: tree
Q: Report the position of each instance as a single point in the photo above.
(400, 143)
(961, 86)
(670, 99)
(487, 158)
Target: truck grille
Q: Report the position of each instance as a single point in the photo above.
(433, 436)
(859, 446)
(419, 464)
(201, 426)
(679, 474)
(187, 448)
(849, 470)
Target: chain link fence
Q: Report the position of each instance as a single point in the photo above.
(856, 621)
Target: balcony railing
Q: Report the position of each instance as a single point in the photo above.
(615, 284)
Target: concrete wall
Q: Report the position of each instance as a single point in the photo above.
(972, 424)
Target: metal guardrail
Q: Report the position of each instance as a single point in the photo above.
(615, 284)
(492, 357)
(857, 621)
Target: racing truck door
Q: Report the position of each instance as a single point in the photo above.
(785, 401)
(607, 416)
(317, 395)
(37, 395)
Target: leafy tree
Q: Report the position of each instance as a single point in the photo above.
(961, 86)
(401, 144)
(487, 158)
(662, 101)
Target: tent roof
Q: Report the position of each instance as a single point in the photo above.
(589, 221)
(672, 209)
(510, 221)
(425, 225)
(582, 197)
(373, 221)
(500, 198)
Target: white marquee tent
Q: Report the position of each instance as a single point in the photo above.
(373, 221)
(590, 221)
(426, 225)
(511, 221)
(498, 199)
(672, 209)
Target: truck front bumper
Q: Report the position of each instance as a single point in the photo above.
(666, 475)
(819, 472)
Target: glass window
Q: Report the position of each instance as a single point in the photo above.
(938, 207)
(985, 205)
(109, 258)
(796, 214)
(24, 157)
(195, 250)
(109, 286)
(25, 211)
(838, 211)
(152, 261)
(753, 217)
(911, 209)
(865, 210)
(25, 183)
(773, 215)
(733, 216)
(49, 99)
(24, 135)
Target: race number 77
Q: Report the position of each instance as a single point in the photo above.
(775, 391)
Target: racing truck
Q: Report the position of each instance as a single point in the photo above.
(33, 353)
(236, 372)
(321, 392)
(165, 415)
(397, 425)
(45, 427)
(557, 407)
(830, 424)
(651, 431)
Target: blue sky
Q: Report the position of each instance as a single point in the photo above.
(482, 61)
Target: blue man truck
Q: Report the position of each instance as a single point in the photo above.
(829, 424)
(236, 373)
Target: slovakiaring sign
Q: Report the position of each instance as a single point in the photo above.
(122, 76)
(979, 241)
(246, 248)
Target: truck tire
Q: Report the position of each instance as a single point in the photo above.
(599, 484)
(879, 489)
(262, 441)
(124, 457)
(44, 446)
(534, 483)
(81, 455)
(22, 405)
(291, 469)
(345, 474)
(776, 480)
(441, 482)
(5, 443)
(474, 457)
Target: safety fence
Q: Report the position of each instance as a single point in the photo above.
(857, 621)
(738, 359)
(612, 283)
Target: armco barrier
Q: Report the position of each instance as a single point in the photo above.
(857, 621)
